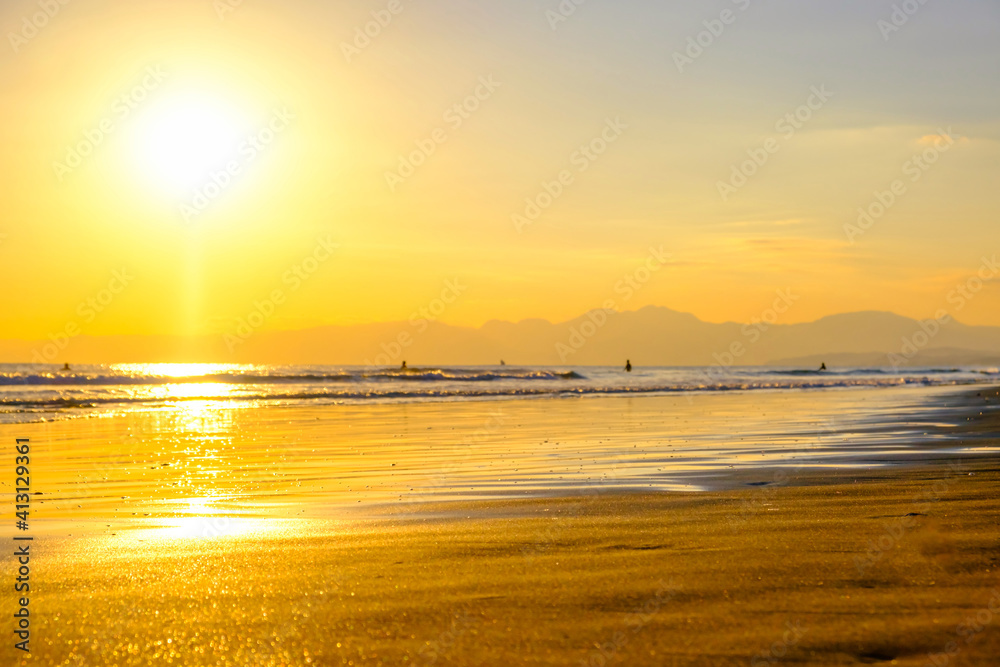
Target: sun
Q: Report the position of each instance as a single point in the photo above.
(178, 142)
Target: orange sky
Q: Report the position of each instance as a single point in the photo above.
(226, 153)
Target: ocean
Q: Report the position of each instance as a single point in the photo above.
(34, 392)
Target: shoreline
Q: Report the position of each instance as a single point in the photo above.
(290, 462)
(39, 409)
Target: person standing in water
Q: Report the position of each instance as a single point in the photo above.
(628, 365)
(403, 367)
(822, 366)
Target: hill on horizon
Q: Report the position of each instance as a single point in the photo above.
(652, 336)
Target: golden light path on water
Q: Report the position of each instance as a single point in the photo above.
(200, 517)
(193, 387)
(192, 390)
(205, 516)
(199, 465)
(180, 370)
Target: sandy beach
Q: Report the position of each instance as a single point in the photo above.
(135, 563)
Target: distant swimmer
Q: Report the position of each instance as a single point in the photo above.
(823, 366)
(66, 367)
(628, 365)
(503, 363)
(403, 367)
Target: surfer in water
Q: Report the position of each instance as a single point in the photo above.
(66, 368)
(822, 367)
(403, 367)
(628, 365)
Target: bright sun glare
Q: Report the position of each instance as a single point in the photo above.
(182, 139)
(179, 370)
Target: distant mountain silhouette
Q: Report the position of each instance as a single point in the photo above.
(652, 336)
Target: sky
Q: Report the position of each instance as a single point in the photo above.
(171, 167)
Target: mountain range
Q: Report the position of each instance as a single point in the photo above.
(652, 336)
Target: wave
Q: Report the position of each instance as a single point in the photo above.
(30, 392)
(798, 372)
(469, 375)
(241, 378)
(872, 371)
(376, 395)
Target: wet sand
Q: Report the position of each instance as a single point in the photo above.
(875, 564)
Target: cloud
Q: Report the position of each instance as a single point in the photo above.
(936, 139)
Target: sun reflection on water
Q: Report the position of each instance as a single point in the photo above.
(193, 390)
(211, 418)
(180, 370)
(201, 519)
